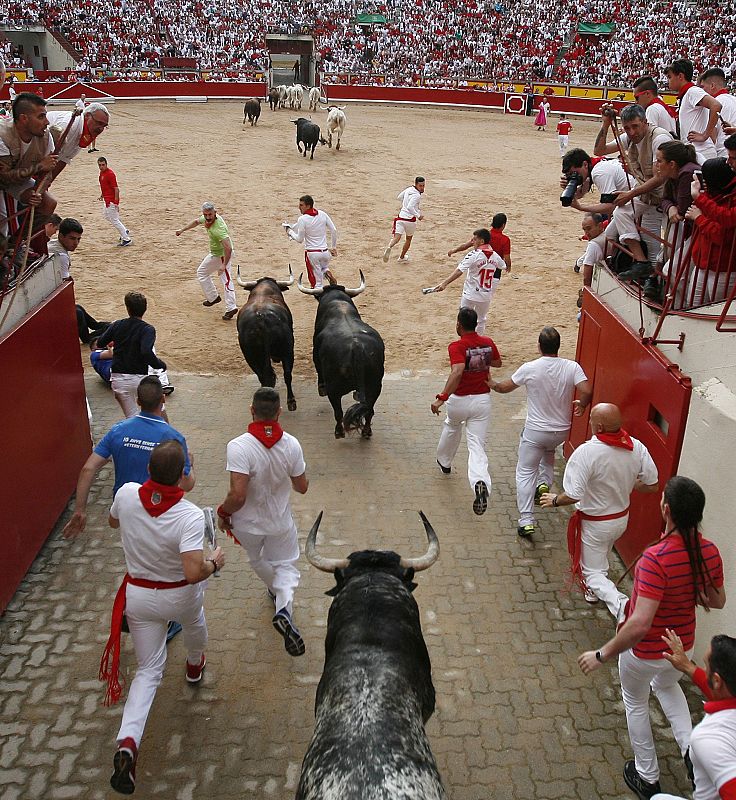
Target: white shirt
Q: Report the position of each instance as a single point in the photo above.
(609, 177)
(479, 272)
(602, 477)
(80, 104)
(713, 752)
(153, 545)
(728, 115)
(266, 510)
(410, 200)
(313, 231)
(695, 118)
(550, 385)
(61, 254)
(659, 116)
(58, 120)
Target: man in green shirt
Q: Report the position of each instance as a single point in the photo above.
(217, 260)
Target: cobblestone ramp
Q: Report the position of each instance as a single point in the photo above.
(515, 717)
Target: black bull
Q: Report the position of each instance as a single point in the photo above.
(252, 111)
(376, 689)
(266, 331)
(348, 355)
(307, 133)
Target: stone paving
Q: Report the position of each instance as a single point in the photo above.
(515, 717)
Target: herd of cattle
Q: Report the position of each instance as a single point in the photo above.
(308, 133)
(376, 691)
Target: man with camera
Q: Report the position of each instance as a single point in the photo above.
(580, 174)
(638, 147)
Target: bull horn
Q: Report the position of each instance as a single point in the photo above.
(356, 292)
(286, 284)
(303, 288)
(310, 551)
(245, 284)
(433, 551)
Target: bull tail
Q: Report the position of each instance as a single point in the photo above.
(359, 415)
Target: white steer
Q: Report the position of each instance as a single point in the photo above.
(314, 95)
(336, 121)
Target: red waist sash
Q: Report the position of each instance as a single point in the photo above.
(401, 219)
(574, 543)
(110, 661)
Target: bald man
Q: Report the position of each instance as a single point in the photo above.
(599, 479)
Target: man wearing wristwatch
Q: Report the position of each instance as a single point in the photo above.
(467, 394)
(163, 541)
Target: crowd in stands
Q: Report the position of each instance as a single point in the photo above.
(439, 42)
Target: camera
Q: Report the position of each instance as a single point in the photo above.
(568, 195)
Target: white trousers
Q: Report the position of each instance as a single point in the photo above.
(638, 676)
(211, 264)
(597, 542)
(112, 214)
(623, 226)
(148, 612)
(125, 389)
(473, 411)
(481, 306)
(563, 139)
(320, 262)
(274, 559)
(535, 465)
(668, 797)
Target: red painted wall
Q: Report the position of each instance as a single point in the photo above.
(132, 90)
(652, 394)
(45, 431)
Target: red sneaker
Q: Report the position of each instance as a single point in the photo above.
(194, 673)
(123, 778)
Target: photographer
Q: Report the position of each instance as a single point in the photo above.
(609, 178)
(639, 144)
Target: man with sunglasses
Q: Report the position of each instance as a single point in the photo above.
(659, 114)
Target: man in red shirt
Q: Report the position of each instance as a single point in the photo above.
(467, 394)
(501, 243)
(110, 194)
(563, 133)
(682, 570)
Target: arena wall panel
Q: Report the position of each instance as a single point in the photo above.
(143, 90)
(44, 427)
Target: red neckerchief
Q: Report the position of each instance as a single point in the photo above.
(86, 139)
(618, 439)
(671, 111)
(311, 212)
(158, 498)
(596, 160)
(487, 250)
(268, 432)
(685, 89)
(721, 91)
(711, 706)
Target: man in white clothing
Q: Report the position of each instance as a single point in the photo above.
(311, 229)
(163, 541)
(265, 463)
(697, 111)
(67, 241)
(599, 478)
(550, 383)
(659, 114)
(405, 224)
(88, 124)
(714, 82)
(482, 268)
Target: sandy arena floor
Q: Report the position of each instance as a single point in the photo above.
(170, 157)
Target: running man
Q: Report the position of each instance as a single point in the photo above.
(219, 260)
(311, 229)
(406, 223)
(110, 195)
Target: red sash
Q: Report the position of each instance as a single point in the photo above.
(310, 271)
(671, 111)
(401, 219)
(110, 661)
(574, 544)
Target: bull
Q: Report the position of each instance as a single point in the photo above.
(266, 331)
(348, 355)
(336, 122)
(273, 98)
(252, 111)
(307, 133)
(376, 693)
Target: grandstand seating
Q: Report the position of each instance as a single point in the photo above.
(437, 41)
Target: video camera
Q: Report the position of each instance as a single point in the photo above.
(568, 194)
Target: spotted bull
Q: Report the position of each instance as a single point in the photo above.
(266, 331)
(376, 691)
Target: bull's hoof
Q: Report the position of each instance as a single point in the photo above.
(321, 391)
(338, 146)
(339, 432)
(291, 404)
(366, 433)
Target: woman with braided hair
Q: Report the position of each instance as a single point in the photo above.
(681, 571)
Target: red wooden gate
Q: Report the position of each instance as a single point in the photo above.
(654, 398)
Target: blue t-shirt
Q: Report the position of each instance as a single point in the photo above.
(129, 444)
(102, 366)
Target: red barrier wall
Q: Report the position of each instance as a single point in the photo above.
(140, 90)
(654, 398)
(45, 431)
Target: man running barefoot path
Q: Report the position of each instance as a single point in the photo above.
(406, 222)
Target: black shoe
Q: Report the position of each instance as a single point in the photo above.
(637, 784)
(228, 315)
(480, 504)
(525, 530)
(652, 289)
(639, 270)
(167, 390)
(293, 641)
(208, 303)
(689, 767)
(446, 470)
(123, 777)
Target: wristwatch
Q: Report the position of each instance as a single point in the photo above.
(214, 564)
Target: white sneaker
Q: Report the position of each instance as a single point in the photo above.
(402, 259)
(386, 254)
(589, 597)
